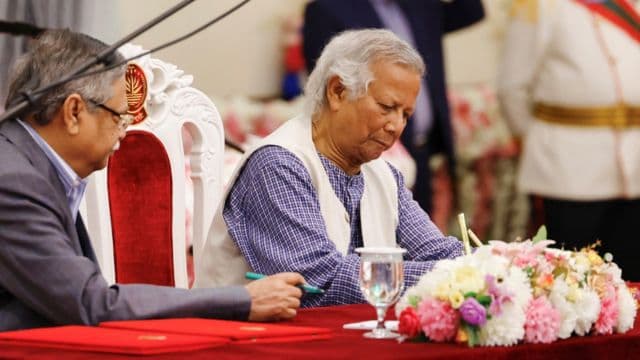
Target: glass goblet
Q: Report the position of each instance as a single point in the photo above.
(381, 283)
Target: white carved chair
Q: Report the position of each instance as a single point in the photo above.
(135, 208)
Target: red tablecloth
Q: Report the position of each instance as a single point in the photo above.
(349, 344)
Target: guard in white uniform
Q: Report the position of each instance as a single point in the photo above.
(569, 85)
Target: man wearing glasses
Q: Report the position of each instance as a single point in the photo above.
(48, 271)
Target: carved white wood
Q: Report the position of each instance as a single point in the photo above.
(171, 104)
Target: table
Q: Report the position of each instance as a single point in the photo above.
(349, 344)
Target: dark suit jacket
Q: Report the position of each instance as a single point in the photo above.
(429, 21)
(44, 277)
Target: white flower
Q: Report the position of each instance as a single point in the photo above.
(518, 282)
(568, 316)
(627, 309)
(467, 279)
(506, 329)
(580, 263)
(428, 283)
(615, 272)
(491, 264)
(587, 310)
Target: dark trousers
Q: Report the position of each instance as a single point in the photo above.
(615, 223)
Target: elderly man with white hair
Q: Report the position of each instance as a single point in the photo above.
(310, 193)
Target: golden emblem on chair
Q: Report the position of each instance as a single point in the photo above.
(136, 86)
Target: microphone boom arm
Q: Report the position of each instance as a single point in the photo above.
(33, 96)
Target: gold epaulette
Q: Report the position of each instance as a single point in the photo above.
(617, 116)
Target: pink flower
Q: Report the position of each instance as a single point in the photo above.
(409, 323)
(523, 254)
(543, 321)
(608, 316)
(438, 319)
(525, 259)
(551, 257)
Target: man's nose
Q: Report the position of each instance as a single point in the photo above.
(396, 122)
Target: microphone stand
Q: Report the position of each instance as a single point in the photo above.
(32, 97)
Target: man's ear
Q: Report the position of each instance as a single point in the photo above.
(336, 92)
(72, 106)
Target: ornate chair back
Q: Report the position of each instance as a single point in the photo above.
(136, 209)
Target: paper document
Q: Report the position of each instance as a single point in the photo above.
(370, 325)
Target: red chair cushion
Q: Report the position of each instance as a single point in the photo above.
(140, 199)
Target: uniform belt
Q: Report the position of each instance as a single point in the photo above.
(617, 116)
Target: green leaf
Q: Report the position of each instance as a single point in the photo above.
(473, 337)
(484, 300)
(420, 338)
(472, 333)
(470, 294)
(540, 235)
(529, 271)
(414, 300)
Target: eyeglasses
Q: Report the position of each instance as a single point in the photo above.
(124, 120)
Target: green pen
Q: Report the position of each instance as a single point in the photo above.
(306, 287)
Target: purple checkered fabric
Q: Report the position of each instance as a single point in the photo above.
(273, 214)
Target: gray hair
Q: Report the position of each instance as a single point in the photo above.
(56, 53)
(349, 55)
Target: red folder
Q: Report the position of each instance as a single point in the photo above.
(237, 331)
(119, 341)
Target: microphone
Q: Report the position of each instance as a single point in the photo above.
(233, 145)
(106, 58)
(19, 28)
(169, 43)
(108, 61)
(31, 97)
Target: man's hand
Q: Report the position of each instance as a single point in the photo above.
(275, 297)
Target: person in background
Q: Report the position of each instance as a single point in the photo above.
(310, 193)
(422, 24)
(48, 271)
(569, 86)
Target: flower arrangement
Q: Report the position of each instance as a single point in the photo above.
(507, 293)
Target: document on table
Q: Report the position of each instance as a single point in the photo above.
(370, 325)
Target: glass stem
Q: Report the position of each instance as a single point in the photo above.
(381, 311)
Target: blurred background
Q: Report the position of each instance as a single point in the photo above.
(241, 63)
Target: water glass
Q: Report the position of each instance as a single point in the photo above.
(381, 283)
